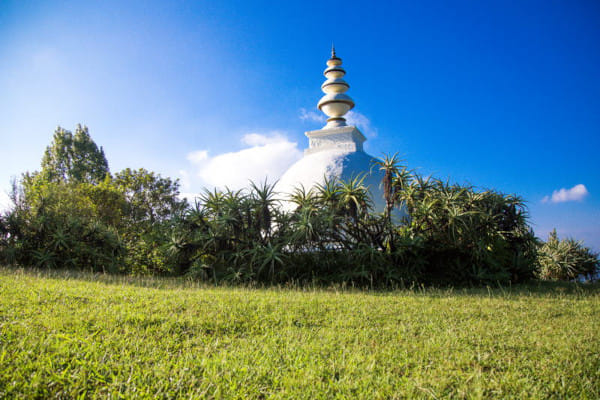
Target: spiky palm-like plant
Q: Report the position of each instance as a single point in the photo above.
(390, 165)
(566, 259)
(264, 203)
(328, 193)
(303, 198)
(354, 198)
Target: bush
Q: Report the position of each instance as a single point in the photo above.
(566, 259)
(450, 234)
(56, 225)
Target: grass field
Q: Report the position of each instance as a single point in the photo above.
(75, 335)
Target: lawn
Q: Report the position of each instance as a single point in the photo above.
(72, 335)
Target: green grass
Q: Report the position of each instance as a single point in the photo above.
(76, 335)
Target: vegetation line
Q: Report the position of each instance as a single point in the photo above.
(75, 214)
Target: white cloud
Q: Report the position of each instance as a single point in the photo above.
(257, 139)
(184, 179)
(352, 118)
(361, 122)
(198, 156)
(576, 193)
(265, 156)
(312, 116)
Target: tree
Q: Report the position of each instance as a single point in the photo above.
(151, 198)
(74, 158)
(66, 214)
(152, 206)
(73, 213)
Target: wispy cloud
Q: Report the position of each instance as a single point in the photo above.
(352, 118)
(198, 156)
(266, 156)
(576, 193)
(312, 116)
(361, 122)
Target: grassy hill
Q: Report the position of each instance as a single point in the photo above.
(75, 335)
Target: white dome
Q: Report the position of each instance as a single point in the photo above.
(313, 168)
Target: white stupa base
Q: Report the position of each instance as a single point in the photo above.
(343, 138)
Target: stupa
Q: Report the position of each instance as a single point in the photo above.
(336, 150)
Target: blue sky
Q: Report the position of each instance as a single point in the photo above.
(502, 95)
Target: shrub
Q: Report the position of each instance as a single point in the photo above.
(566, 259)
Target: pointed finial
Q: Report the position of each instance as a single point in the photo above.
(333, 51)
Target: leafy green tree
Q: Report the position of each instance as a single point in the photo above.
(151, 207)
(66, 214)
(150, 197)
(74, 158)
(74, 214)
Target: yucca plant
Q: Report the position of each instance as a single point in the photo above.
(354, 199)
(390, 165)
(302, 198)
(566, 259)
(264, 204)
